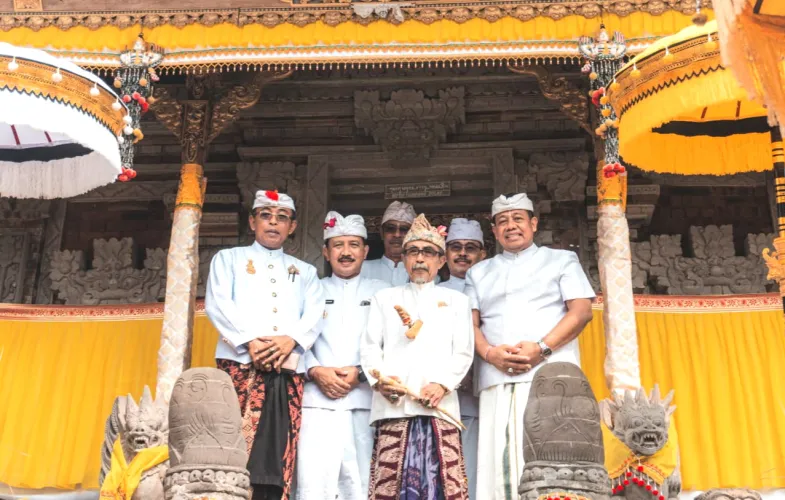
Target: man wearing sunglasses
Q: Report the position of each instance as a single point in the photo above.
(396, 221)
(530, 304)
(416, 349)
(465, 249)
(267, 307)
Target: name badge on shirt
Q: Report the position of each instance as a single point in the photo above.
(365, 303)
(329, 301)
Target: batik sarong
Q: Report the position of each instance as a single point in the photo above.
(418, 458)
(271, 406)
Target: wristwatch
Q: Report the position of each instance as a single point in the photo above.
(361, 375)
(546, 351)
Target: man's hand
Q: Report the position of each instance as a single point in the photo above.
(388, 391)
(276, 350)
(431, 395)
(531, 351)
(350, 375)
(331, 381)
(507, 359)
(257, 349)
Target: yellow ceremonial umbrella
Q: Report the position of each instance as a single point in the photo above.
(752, 43)
(680, 111)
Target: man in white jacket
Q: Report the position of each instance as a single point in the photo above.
(336, 439)
(417, 348)
(268, 307)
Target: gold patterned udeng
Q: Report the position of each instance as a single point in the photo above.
(35, 78)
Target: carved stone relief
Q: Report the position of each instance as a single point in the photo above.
(22, 222)
(409, 125)
(659, 265)
(53, 237)
(564, 175)
(112, 278)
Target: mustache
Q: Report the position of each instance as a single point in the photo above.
(346, 258)
(417, 267)
(461, 259)
(396, 241)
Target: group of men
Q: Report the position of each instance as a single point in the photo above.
(376, 382)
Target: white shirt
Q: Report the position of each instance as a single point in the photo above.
(522, 297)
(441, 353)
(347, 303)
(470, 404)
(251, 294)
(386, 270)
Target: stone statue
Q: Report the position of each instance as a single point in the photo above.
(729, 494)
(141, 429)
(641, 447)
(563, 446)
(207, 451)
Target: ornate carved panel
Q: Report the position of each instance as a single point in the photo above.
(316, 202)
(14, 246)
(112, 278)
(564, 175)
(409, 125)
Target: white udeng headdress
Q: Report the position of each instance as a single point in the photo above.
(272, 199)
(516, 202)
(464, 229)
(400, 211)
(336, 224)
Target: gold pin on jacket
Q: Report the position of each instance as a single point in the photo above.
(249, 267)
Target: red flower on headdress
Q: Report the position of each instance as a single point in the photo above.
(273, 195)
(330, 224)
(442, 230)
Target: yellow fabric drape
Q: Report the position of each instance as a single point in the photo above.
(619, 458)
(58, 379)
(227, 36)
(123, 479)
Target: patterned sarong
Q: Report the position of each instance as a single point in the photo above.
(271, 429)
(404, 453)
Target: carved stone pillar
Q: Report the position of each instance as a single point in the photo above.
(53, 238)
(315, 200)
(196, 122)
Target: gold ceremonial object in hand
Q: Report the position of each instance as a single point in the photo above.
(399, 387)
(414, 328)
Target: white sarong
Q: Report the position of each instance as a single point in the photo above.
(469, 442)
(334, 454)
(500, 445)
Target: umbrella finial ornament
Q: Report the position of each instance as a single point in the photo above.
(135, 80)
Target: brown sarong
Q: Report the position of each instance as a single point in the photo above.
(274, 427)
(389, 454)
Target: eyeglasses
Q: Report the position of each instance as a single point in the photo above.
(267, 216)
(415, 252)
(393, 229)
(468, 248)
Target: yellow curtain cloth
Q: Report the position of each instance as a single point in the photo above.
(227, 36)
(60, 375)
(122, 480)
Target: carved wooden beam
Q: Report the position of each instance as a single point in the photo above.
(209, 109)
(572, 101)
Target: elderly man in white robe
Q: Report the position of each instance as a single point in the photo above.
(465, 249)
(267, 308)
(396, 221)
(336, 437)
(530, 304)
(416, 349)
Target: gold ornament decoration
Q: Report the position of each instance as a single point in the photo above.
(118, 83)
(604, 100)
(592, 76)
(143, 82)
(606, 112)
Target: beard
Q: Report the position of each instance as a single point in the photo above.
(420, 280)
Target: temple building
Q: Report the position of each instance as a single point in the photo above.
(348, 106)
